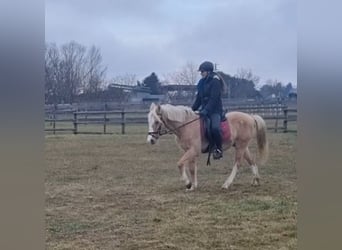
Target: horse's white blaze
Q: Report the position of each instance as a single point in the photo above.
(151, 120)
(149, 137)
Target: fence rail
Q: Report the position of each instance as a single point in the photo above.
(281, 115)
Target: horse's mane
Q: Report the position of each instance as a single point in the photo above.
(177, 113)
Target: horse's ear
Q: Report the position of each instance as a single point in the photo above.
(152, 106)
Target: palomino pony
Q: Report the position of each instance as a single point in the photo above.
(185, 124)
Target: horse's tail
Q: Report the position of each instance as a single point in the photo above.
(261, 138)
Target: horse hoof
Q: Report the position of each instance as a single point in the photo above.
(224, 187)
(255, 182)
(188, 186)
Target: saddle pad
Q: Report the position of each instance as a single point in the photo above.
(225, 129)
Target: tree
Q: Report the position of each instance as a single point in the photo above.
(275, 88)
(187, 75)
(288, 88)
(70, 71)
(247, 74)
(153, 83)
(243, 88)
(266, 91)
(52, 74)
(94, 77)
(72, 68)
(239, 87)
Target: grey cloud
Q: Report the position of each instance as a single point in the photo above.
(144, 36)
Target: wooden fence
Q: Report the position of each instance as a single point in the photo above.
(277, 118)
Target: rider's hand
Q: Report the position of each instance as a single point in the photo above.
(203, 113)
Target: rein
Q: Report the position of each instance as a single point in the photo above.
(170, 131)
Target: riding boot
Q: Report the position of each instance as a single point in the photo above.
(218, 152)
(216, 135)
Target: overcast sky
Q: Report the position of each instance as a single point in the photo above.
(143, 36)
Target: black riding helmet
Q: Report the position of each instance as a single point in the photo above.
(206, 66)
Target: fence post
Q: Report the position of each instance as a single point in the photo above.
(277, 118)
(104, 123)
(54, 121)
(55, 107)
(75, 123)
(285, 120)
(122, 122)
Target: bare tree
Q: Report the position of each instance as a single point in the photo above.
(248, 75)
(52, 76)
(70, 70)
(95, 72)
(274, 88)
(72, 67)
(187, 75)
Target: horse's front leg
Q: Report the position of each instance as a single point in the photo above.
(188, 157)
(193, 171)
(184, 175)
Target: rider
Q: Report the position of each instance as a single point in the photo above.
(209, 104)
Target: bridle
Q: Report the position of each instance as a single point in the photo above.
(160, 132)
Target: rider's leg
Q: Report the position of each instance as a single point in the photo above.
(216, 133)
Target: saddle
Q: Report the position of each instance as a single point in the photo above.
(206, 139)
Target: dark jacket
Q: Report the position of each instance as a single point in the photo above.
(209, 91)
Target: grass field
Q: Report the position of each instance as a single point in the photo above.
(117, 192)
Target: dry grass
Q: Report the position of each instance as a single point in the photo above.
(117, 192)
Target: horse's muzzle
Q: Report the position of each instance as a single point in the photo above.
(151, 139)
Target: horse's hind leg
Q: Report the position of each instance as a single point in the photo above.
(254, 167)
(238, 158)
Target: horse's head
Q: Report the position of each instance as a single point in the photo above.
(155, 124)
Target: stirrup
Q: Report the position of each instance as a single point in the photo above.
(217, 154)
